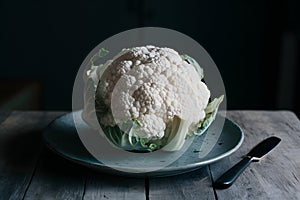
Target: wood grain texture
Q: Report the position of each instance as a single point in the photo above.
(56, 178)
(101, 186)
(277, 175)
(20, 144)
(30, 171)
(193, 185)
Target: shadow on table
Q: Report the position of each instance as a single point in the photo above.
(20, 150)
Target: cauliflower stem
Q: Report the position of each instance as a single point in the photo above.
(176, 132)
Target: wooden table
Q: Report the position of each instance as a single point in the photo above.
(28, 170)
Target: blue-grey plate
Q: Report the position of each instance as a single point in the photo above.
(61, 136)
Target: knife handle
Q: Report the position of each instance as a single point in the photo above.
(227, 179)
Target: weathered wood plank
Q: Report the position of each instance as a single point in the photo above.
(193, 185)
(101, 186)
(277, 176)
(56, 178)
(20, 143)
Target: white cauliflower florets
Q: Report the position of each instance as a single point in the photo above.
(151, 85)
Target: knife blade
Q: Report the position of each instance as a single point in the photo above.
(261, 149)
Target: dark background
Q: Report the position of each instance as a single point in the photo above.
(255, 44)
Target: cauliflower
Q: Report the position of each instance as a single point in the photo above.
(147, 98)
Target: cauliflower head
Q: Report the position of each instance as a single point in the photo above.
(147, 98)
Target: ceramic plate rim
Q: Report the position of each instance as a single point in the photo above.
(99, 165)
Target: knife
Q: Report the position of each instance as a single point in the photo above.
(227, 179)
